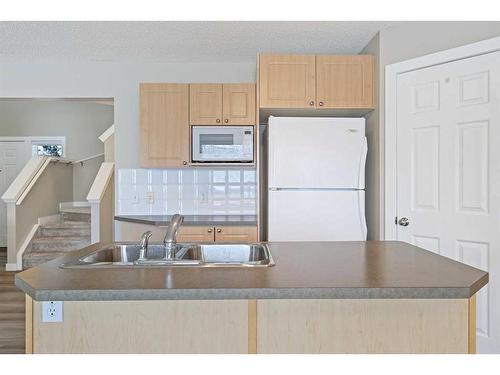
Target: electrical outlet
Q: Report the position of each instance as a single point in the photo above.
(149, 197)
(52, 311)
(135, 198)
(204, 198)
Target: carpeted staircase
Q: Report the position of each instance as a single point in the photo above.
(52, 240)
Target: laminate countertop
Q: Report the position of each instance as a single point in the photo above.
(191, 220)
(303, 270)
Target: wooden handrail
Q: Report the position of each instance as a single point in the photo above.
(25, 180)
(101, 182)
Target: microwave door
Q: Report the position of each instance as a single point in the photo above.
(228, 144)
(215, 147)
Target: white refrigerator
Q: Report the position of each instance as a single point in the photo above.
(316, 179)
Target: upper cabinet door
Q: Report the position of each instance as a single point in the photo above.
(345, 81)
(287, 81)
(238, 104)
(164, 123)
(206, 104)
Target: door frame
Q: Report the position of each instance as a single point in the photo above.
(392, 72)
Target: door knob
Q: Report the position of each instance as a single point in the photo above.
(217, 121)
(209, 230)
(226, 120)
(184, 162)
(404, 222)
(321, 104)
(311, 102)
(219, 230)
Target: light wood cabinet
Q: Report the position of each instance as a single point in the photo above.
(195, 234)
(238, 104)
(345, 81)
(191, 233)
(316, 82)
(205, 104)
(164, 124)
(236, 234)
(287, 81)
(222, 104)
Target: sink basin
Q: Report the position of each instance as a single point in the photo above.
(194, 255)
(236, 254)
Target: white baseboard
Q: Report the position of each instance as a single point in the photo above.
(12, 267)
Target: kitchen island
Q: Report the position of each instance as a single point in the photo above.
(320, 297)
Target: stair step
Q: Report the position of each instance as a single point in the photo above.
(33, 259)
(65, 231)
(76, 210)
(68, 224)
(59, 243)
(75, 216)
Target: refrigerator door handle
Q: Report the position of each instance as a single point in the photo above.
(362, 164)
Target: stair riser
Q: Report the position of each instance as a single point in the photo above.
(59, 246)
(72, 216)
(64, 232)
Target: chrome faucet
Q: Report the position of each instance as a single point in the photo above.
(170, 237)
(143, 254)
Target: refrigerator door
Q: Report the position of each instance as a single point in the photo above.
(308, 152)
(316, 215)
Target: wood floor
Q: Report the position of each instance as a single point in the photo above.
(11, 311)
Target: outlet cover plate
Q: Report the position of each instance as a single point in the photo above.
(52, 311)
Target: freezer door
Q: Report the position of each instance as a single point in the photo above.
(316, 215)
(317, 152)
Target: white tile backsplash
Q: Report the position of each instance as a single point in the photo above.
(226, 191)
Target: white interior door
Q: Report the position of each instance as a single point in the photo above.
(13, 157)
(448, 174)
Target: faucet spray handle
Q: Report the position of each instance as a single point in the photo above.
(144, 244)
(145, 238)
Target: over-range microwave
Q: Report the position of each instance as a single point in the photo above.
(222, 144)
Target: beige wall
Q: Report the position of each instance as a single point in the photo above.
(80, 121)
(83, 177)
(395, 44)
(54, 186)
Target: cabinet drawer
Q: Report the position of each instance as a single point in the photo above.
(234, 234)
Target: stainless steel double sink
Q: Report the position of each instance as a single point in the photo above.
(186, 255)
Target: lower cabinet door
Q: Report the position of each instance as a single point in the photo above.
(195, 234)
(236, 234)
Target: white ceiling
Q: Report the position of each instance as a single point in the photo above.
(179, 41)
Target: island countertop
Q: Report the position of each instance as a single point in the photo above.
(303, 270)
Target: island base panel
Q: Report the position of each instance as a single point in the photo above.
(144, 327)
(263, 326)
(363, 326)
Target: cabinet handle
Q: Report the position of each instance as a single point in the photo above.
(217, 121)
(321, 104)
(311, 102)
(184, 162)
(226, 120)
(209, 230)
(219, 230)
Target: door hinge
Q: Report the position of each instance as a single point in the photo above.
(395, 220)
